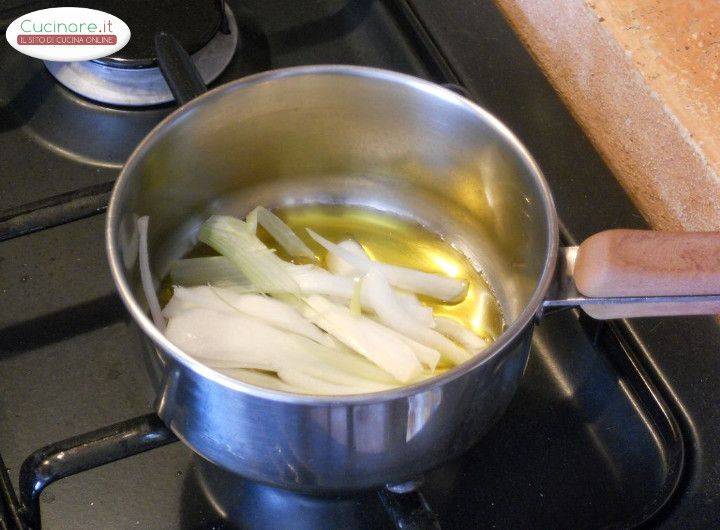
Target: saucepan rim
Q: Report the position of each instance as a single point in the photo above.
(504, 341)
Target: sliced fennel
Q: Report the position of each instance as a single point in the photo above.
(232, 340)
(312, 384)
(342, 356)
(383, 301)
(315, 280)
(231, 238)
(434, 285)
(269, 310)
(460, 334)
(252, 221)
(337, 265)
(216, 270)
(366, 337)
(311, 279)
(282, 233)
(355, 304)
(146, 275)
(258, 379)
(415, 308)
(355, 326)
(427, 356)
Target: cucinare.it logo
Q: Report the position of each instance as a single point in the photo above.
(68, 34)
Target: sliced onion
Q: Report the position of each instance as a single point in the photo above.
(145, 274)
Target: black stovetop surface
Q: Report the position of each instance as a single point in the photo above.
(613, 425)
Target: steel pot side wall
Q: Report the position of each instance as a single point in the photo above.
(338, 447)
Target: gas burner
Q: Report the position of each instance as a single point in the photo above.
(242, 503)
(132, 78)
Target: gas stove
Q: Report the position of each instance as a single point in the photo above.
(614, 424)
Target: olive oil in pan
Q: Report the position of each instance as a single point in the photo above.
(398, 241)
(392, 240)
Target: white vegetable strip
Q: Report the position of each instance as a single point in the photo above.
(422, 313)
(215, 270)
(145, 274)
(272, 311)
(342, 356)
(427, 356)
(339, 377)
(355, 305)
(251, 220)
(311, 385)
(233, 340)
(460, 334)
(185, 298)
(434, 285)
(315, 280)
(337, 265)
(226, 340)
(218, 270)
(282, 233)
(316, 385)
(258, 379)
(382, 300)
(230, 237)
(366, 337)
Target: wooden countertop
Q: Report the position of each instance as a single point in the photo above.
(643, 79)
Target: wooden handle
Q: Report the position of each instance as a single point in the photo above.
(646, 263)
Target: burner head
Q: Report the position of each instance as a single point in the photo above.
(193, 22)
(132, 80)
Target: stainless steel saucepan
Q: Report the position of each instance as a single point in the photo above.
(383, 140)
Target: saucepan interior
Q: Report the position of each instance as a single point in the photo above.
(341, 135)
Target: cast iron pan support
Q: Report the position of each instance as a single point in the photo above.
(130, 437)
(84, 452)
(177, 68)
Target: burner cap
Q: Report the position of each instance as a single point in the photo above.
(108, 83)
(192, 22)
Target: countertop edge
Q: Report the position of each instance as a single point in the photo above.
(652, 154)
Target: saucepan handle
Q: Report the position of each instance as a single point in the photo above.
(634, 273)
